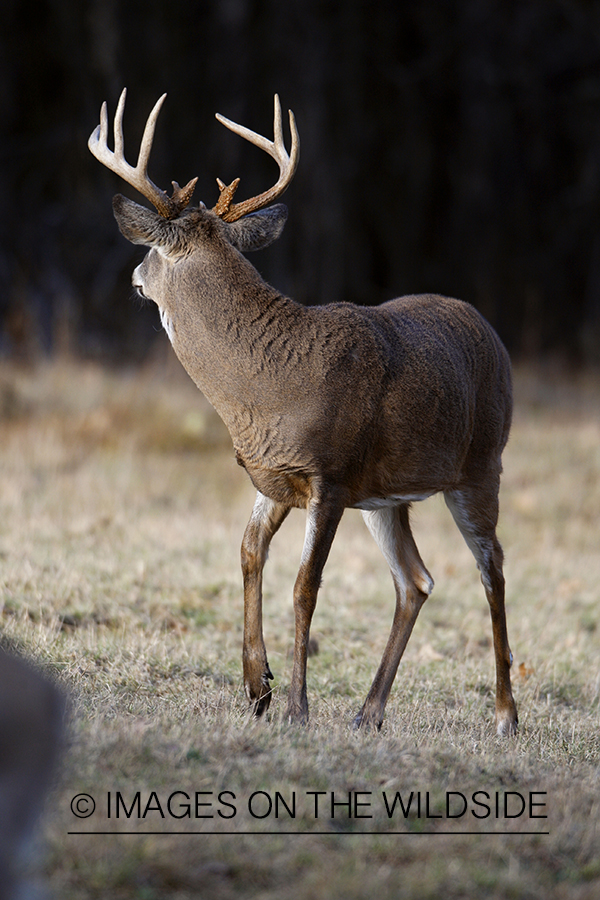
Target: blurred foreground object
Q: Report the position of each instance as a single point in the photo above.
(31, 719)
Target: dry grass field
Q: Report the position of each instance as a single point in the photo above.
(121, 516)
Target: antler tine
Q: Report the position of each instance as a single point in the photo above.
(137, 177)
(148, 136)
(118, 126)
(277, 129)
(276, 148)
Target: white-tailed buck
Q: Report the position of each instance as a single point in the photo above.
(328, 407)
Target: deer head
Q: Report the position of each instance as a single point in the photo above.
(257, 231)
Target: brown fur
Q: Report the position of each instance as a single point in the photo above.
(334, 407)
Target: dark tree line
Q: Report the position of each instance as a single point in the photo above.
(447, 145)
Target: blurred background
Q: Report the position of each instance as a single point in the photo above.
(447, 145)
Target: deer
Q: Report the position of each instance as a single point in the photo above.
(328, 407)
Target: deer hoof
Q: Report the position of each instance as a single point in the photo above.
(367, 722)
(296, 715)
(260, 697)
(507, 725)
(260, 706)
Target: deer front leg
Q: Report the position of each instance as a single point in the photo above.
(322, 521)
(265, 520)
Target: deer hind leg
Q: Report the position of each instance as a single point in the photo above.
(475, 511)
(391, 529)
(322, 521)
(265, 520)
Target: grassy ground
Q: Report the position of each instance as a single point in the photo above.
(121, 515)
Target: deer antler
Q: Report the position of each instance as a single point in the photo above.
(231, 212)
(137, 177)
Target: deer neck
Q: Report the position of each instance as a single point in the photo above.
(239, 340)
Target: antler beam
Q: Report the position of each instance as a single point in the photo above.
(231, 212)
(137, 176)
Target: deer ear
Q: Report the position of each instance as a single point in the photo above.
(138, 224)
(259, 229)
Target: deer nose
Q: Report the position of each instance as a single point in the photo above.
(137, 281)
(139, 288)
